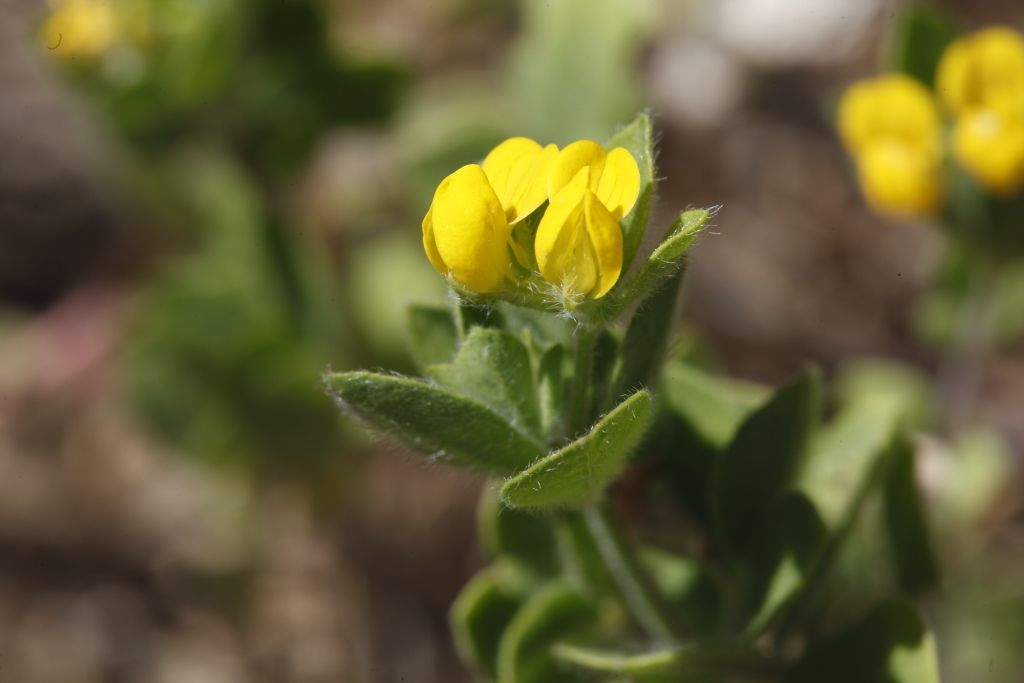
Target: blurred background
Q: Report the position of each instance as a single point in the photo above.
(205, 203)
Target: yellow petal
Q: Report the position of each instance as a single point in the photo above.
(899, 179)
(430, 244)
(470, 231)
(984, 69)
(579, 242)
(619, 185)
(614, 176)
(80, 28)
(893, 107)
(990, 145)
(573, 158)
(517, 170)
(606, 240)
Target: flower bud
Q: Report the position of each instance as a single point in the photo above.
(990, 145)
(983, 70)
(613, 177)
(899, 179)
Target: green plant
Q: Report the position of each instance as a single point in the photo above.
(552, 397)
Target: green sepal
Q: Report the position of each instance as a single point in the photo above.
(917, 569)
(638, 140)
(890, 644)
(578, 473)
(432, 335)
(480, 615)
(517, 536)
(663, 262)
(760, 463)
(554, 612)
(713, 407)
(435, 421)
(493, 367)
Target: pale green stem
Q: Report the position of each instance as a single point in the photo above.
(634, 586)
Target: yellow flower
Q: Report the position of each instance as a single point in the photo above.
(895, 108)
(579, 241)
(80, 28)
(983, 70)
(466, 230)
(990, 145)
(614, 176)
(891, 126)
(899, 179)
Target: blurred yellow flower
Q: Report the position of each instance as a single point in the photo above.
(891, 127)
(614, 176)
(80, 28)
(990, 145)
(466, 230)
(983, 70)
(579, 241)
(899, 179)
(894, 108)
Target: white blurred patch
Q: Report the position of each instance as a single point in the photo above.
(788, 32)
(696, 82)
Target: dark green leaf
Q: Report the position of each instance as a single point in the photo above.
(480, 615)
(790, 540)
(647, 337)
(551, 614)
(889, 645)
(712, 406)
(493, 367)
(551, 390)
(432, 335)
(690, 590)
(602, 367)
(760, 463)
(917, 568)
(516, 535)
(578, 473)
(435, 421)
(637, 139)
(918, 41)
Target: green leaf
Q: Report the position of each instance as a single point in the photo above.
(918, 41)
(647, 337)
(790, 540)
(690, 590)
(889, 645)
(432, 335)
(471, 315)
(580, 557)
(917, 568)
(634, 665)
(602, 366)
(661, 265)
(760, 463)
(479, 616)
(493, 367)
(638, 141)
(554, 612)
(434, 420)
(517, 536)
(551, 390)
(578, 473)
(714, 407)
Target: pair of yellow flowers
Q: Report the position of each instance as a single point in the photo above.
(893, 127)
(468, 230)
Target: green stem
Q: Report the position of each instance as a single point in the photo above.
(634, 586)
